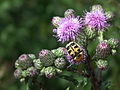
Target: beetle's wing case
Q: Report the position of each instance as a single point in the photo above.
(70, 49)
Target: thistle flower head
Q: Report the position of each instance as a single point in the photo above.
(103, 45)
(102, 64)
(18, 73)
(68, 28)
(38, 64)
(46, 57)
(96, 19)
(24, 61)
(50, 72)
(113, 42)
(103, 49)
(60, 63)
(32, 71)
(59, 51)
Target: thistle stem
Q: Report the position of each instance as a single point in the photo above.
(100, 36)
(27, 86)
(93, 79)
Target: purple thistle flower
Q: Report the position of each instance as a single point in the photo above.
(68, 28)
(96, 19)
(72, 61)
(103, 45)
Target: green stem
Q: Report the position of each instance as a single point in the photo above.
(100, 78)
(93, 79)
(27, 86)
(100, 36)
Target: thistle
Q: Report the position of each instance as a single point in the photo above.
(18, 73)
(96, 18)
(76, 33)
(102, 64)
(59, 52)
(38, 64)
(24, 61)
(50, 72)
(103, 49)
(60, 63)
(68, 29)
(46, 57)
(113, 42)
(32, 71)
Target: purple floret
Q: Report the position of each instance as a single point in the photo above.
(68, 28)
(96, 19)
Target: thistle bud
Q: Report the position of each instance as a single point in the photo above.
(97, 7)
(31, 56)
(102, 64)
(55, 21)
(60, 63)
(59, 52)
(31, 71)
(69, 12)
(18, 73)
(113, 42)
(109, 15)
(103, 49)
(90, 33)
(50, 72)
(38, 64)
(46, 57)
(24, 61)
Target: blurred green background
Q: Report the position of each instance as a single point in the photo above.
(25, 27)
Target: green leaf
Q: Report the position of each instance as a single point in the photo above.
(68, 88)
